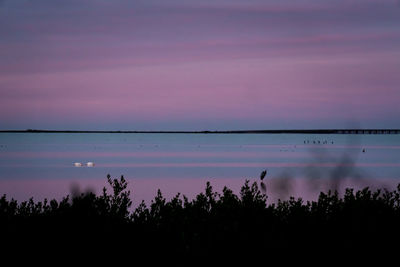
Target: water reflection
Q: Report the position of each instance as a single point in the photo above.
(154, 159)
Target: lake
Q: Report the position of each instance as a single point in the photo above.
(42, 165)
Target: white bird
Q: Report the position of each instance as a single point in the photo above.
(78, 164)
(90, 164)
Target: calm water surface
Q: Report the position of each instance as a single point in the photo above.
(46, 160)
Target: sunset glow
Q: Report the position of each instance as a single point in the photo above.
(199, 65)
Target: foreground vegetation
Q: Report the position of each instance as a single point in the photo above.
(210, 222)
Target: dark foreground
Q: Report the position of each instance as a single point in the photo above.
(210, 223)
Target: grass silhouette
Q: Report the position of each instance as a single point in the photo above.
(210, 222)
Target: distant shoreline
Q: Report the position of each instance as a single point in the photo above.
(308, 131)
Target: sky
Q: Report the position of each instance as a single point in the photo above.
(199, 65)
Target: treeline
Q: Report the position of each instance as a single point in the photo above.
(210, 222)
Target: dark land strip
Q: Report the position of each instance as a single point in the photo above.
(294, 131)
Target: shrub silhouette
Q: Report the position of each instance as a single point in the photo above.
(209, 222)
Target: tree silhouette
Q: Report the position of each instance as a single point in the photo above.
(210, 222)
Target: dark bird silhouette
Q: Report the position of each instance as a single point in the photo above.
(263, 186)
(263, 174)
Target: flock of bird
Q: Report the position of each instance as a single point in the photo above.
(324, 142)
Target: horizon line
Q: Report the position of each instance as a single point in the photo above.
(275, 131)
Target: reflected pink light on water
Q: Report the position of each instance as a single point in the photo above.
(141, 189)
(250, 164)
(213, 165)
(284, 153)
(153, 154)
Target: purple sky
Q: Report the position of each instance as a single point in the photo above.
(199, 65)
